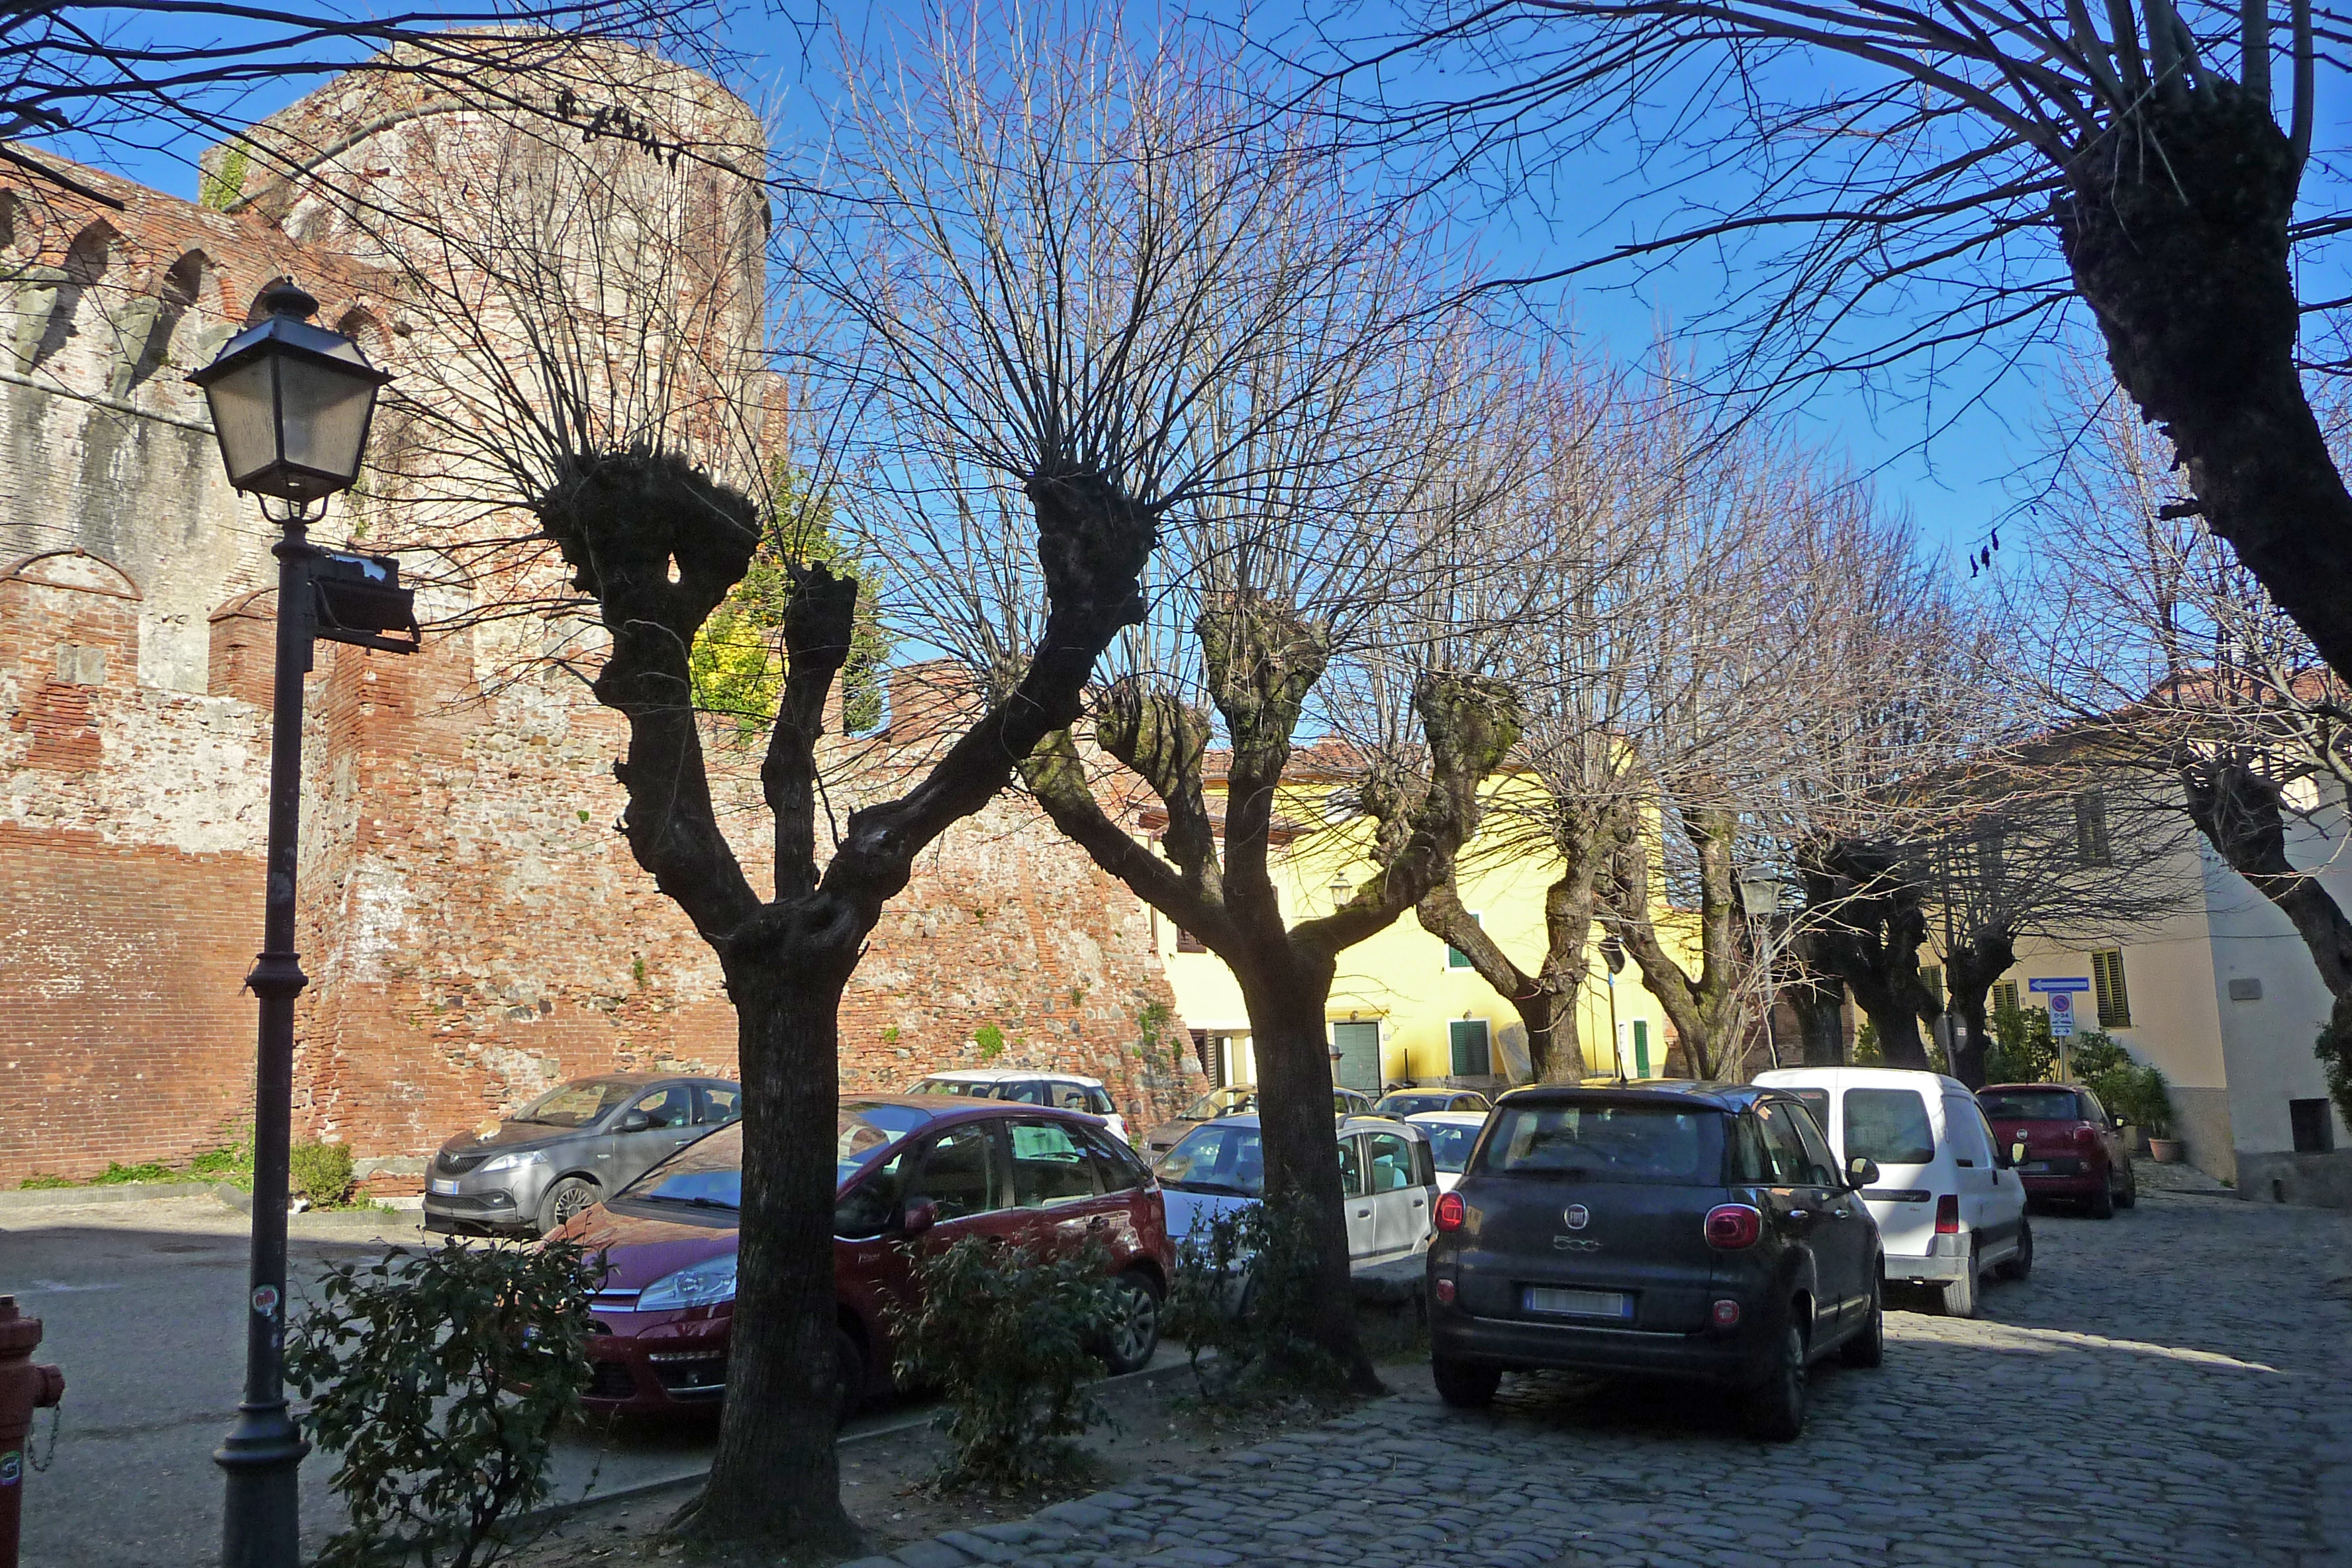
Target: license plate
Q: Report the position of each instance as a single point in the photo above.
(445, 1189)
(1578, 1303)
(2034, 1168)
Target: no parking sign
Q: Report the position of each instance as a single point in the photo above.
(2062, 1013)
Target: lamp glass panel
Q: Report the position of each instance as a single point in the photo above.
(244, 416)
(326, 416)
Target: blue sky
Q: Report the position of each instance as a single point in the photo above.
(1959, 484)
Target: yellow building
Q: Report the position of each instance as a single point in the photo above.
(1405, 1007)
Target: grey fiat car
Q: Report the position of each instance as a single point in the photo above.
(1701, 1231)
(570, 1149)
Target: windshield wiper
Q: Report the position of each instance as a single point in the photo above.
(1207, 1188)
(699, 1203)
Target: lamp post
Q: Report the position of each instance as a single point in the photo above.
(291, 405)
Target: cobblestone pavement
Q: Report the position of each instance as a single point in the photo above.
(2168, 1389)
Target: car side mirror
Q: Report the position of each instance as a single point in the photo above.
(921, 1214)
(1861, 1171)
(636, 1121)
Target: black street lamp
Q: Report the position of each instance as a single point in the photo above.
(291, 405)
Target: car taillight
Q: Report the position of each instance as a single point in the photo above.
(1731, 1226)
(1452, 1211)
(1947, 1215)
(2086, 1136)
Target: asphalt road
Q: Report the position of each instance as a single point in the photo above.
(140, 1304)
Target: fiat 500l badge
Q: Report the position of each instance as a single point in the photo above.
(1577, 1216)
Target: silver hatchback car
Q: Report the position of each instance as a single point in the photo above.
(570, 1148)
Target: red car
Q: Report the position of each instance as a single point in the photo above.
(916, 1173)
(2064, 1143)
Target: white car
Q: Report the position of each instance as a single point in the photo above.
(1069, 1091)
(1389, 1184)
(1450, 1133)
(1947, 1205)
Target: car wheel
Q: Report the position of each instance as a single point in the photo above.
(1867, 1348)
(1775, 1410)
(2103, 1207)
(1463, 1383)
(2020, 1266)
(849, 1377)
(572, 1196)
(1135, 1335)
(1960, 1295)
(2130, 1194)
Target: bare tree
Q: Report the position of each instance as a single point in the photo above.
(1906, 164)
(2170, 672)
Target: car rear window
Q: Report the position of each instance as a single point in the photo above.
(1216, 1158)
(1450, 1145)
(955, 1085)
(1602, 1142)
(2032, 1105)
(1888, 1125)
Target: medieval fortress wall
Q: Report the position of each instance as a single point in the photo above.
(473, 929)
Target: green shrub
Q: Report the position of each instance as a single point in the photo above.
(1243, 1286)
(117, 1175)
(438, 1380)
(2021, 1051)
(41, 1183)
(1008, 1338)
(320, 1172)
(2139, 1094)
(990, 1041)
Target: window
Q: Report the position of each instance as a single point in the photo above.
(2004, 995)
(1217, 1158)
(1351, 1167)
(867, 1209)
(1187, 942)
(2315, 1129)
(1818, 1157)
(2091, 829)
(2032, 1105)
(1602, 1142)
(1454, 957)
(1450, 1146)
(1467, 1036)
(1784, 1149)
(1050, 1165)
(1023, 1092)
(720, 1105)
(1888, 1125)
(1391, 1162)
(1964, 1125)
(959, 1173)
(2107, 979)
(668, 1106)
(1119, 1168)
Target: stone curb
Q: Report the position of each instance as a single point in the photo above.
(121, 1192)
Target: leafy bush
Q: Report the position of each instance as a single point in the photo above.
(1008, 1337)
(320, 1172)
(37, 1183)
(2021, 1051)
(439, 1379)
(116, 1174)
(1241, 1287)
(2139, 1094)
(990, 1041)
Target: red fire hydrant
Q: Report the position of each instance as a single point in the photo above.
(24, 1388)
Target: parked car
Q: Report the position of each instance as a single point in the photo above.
(1451, 1134)
(1388, 1182)
(2064, 1144)
(1239, 1100)
(580, 1141)
(1066, 1090)
(1404, 1102)
(914, 1173)
(1948, 1206)
(1703, 1231)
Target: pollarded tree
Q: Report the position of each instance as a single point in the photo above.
(1001, 312)
(1912, 165)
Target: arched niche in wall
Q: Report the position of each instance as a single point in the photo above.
(70, 627)
(174, 323)
(244, 647)
(77, 297)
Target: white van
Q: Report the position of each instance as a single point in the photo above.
(1947, 1205)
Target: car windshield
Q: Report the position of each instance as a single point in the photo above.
(1235, 1100)
(1448, 1144)
(954, 1086)
(2031, 1105)
(1215, 1159)
(575, 1104)
(1888, 1125)
(1411, 1104)
(864, 1131)
(1605, 1142)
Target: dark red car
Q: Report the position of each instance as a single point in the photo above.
(916, 1173)
(2066, 1145)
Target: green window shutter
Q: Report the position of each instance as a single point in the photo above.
(1454, 957)
(1467, 1036)
(1641, 1047)
(2115, 1000)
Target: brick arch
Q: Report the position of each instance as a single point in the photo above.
(90, 258)
(20, 230)
(175, 319)
(244, 650)
(69, 630)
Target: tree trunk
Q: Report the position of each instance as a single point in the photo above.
(1554, 1053)
(1820, 1006)
(2175, 229)
(775, 1475)
(1970, 970)
(1286, 999)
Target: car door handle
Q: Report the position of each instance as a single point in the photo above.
(1421, 1203)
(1097, 1222)
(1363, 1214)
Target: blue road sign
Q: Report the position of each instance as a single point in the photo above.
(2064, 982)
